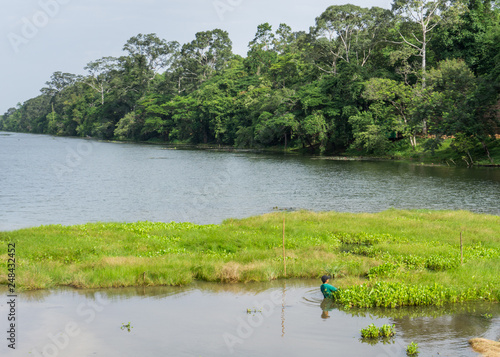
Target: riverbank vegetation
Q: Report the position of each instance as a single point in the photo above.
(386, 259)
(361, 81)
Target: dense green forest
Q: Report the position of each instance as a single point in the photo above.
(362, 80)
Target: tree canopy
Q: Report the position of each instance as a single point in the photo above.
(361, 79)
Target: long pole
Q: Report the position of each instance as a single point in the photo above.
(461, 250)
(284, 256)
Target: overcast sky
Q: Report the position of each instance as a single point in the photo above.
(40, 37)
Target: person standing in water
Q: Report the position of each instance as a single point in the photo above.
(326, 288)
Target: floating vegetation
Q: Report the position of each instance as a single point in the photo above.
(127, 327)
(412, 349)
(373, 332)
(253, 310)
(370, 332)
(386, 294)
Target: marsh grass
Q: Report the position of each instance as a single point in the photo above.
(401, 255)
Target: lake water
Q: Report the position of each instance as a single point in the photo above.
(53, 180)
(285, 319)
(57, 180)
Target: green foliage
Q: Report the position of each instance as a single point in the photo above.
(372, 332)
(385, 270)
(385, 294)
(412, 349)
(387, 331)
(389, 259)
(361, 81)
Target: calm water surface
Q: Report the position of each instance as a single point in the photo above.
(46, 180)
(55, 180)
(286, 319)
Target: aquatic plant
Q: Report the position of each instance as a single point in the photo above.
(385, 294)
(253, 310)
(387, 330)
(372, 331)
(128, 326)
(412, 349)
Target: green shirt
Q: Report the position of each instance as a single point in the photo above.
(327, 290)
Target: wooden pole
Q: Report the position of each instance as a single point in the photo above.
(284, 255)
(461, 250)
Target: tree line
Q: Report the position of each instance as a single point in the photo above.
(360, 79)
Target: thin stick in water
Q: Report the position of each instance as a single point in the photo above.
(284, 256)
(461, 250)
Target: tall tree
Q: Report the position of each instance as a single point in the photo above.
(101, 73)
(422, 17)
(158, 54)
(348, 33)
(400, 98)
(201, 58)
(58, 81)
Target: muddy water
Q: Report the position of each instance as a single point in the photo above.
(264, 319)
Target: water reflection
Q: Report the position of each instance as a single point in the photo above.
(327, 305)
(286, 320)
(435, 326)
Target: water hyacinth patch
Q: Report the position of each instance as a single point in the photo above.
(385, 294)
(412, 349)
(370, 332)
(373, 332)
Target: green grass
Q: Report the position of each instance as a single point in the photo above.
(392, 258)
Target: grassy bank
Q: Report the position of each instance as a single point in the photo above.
(391, 258)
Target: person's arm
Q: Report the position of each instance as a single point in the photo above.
(332, 288)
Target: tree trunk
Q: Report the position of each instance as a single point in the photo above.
(413, 141)
(487, 151)
(424, 63)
